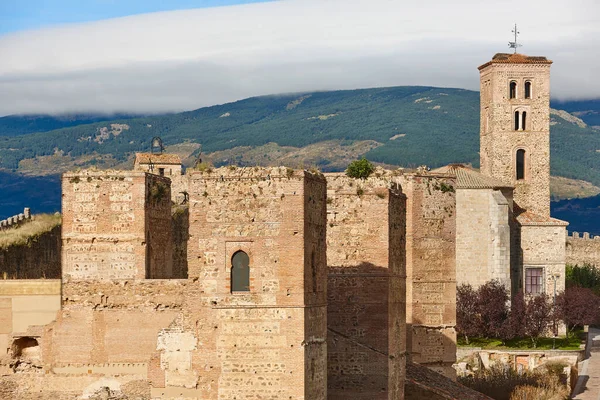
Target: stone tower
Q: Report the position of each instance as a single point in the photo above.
(515, 127)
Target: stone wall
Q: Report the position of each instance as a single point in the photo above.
(268, 342)
(366, 288)
(542, 246)
(180, 226)
(37, 259)
(583, 249)
(482, 237)
(116, 225)
(431, 270)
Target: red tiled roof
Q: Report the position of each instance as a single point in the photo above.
(516, 58)
(468, 178)
(525, 217)
(150, 158)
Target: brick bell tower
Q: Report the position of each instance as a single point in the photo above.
(515, 127)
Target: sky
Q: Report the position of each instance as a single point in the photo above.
(67, 56)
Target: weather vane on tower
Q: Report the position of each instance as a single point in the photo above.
(515, 44)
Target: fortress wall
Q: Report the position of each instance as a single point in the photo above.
(431, 270)
(116, 225)
(104, 324)
(35, 260)
(268, 342)
(366, 288)
(180, 225)
(582, 248)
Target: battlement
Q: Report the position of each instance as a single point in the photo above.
(16, 220)
(582, 235)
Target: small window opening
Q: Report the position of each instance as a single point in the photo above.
(513, 90)
(240, 272)
(520, 164)
(534, 283)
(524, 124)
(527, 90)
(516, 120)
(161, 171)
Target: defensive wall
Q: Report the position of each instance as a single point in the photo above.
(583, 248)
(36, 259)
(366, 288)
(16, 220)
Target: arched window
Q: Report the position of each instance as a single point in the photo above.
(524, 124)
(516, 120)
(240, 272)
(513, 89)
(528, 90)
(520, 164)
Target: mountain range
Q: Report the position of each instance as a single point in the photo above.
(396, 126)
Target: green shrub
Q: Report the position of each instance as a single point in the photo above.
(360, 169)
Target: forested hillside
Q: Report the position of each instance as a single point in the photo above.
(406, 126)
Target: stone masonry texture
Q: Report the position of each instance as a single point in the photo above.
(366, 288)
(499, 141)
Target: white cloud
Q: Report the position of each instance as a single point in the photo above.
(183, 60)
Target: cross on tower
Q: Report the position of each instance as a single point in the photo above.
(515, 44)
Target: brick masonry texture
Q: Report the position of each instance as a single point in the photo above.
(269, 342)
(115, 225)
(366, 288)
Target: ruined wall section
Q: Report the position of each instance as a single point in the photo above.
(431, 270)
(107, 217)
(366, 288)
(110, 327)
(267, 342)
(582, 248)
(180, 226)
(39, 258)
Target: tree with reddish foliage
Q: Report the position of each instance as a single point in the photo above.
(467, 315)
(538, 317)
(577, 306)
(493, 308)
(514, 327)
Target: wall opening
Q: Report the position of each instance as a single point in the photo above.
(513, 90)
(528, 90)
(161, 171)
(240, 272)
(516, 120)
(520, 164)
(524, 122)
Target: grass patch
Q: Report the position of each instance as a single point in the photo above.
(29, 231)
(562, 343)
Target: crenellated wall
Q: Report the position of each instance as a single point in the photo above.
(583, 248)
(16, 220)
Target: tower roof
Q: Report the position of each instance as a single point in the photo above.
(515, 58)
(150, 158)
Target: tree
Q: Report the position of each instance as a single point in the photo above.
(514, 325)
(492, 305)
(467, 315)
(586, 276)
(362, 169)
(577, 306)
(538, 316)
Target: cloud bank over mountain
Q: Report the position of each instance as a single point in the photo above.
(181, 60)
